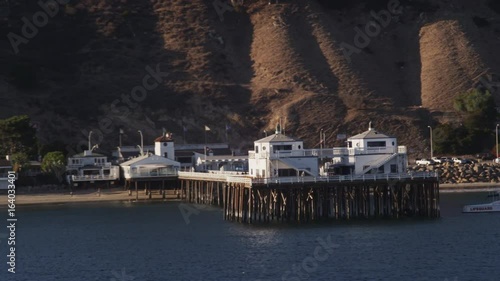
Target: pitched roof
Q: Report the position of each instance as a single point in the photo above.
(140, 158)
(277, 138)
(164, 138)
(133, 160)
(370, 134)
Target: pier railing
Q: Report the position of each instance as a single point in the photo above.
(220, 177)
(347, 178)
(306, 179)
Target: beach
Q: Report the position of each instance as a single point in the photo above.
(82, 196)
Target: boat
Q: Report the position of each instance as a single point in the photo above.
(484, 208)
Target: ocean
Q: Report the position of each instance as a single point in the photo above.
(175, 241)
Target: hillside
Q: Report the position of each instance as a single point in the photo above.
(86, 68)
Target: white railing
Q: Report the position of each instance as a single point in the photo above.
(152, 174)
(326, 152)
(366, 177)
(94, 177)
(227, 172)
(216, 177)
(308, 179)
(75, 166)
(372, 150)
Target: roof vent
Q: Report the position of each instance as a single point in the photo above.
(370, 126)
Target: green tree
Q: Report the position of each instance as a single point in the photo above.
(20, 160)
(478, 109)
(17, 135)
(479, 115)
(54, 163)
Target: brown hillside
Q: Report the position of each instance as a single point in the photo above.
(246, 67)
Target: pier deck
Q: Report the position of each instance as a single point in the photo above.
(300, 199)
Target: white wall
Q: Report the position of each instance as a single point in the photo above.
(165, 147)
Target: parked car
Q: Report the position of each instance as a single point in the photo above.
(497, 160)
(446, 160)
(485, 156)
(424, 161)
(469, 161)
(437, 160)
(458, 160)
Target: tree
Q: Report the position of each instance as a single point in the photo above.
(20, 160)
(479, 115)
(17, 135)
(54, 163)
(478, 108)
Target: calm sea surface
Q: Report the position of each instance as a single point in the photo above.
(124, 242)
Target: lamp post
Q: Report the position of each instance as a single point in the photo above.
(321, 139)
(142, 142)
(90, 134)
(432, 152)
(497, 138)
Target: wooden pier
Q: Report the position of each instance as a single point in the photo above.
(304, 199)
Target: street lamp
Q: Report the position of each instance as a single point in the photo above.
(432, 152)
(142, 143)
(497, 138)
(321, 139)
(90, 134)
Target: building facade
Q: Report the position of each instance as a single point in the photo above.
(281, 156)
(370, 152)
(90, 167)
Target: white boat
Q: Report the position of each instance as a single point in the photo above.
(484, 208)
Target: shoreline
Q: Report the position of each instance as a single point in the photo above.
(113, 195)
(118, 195)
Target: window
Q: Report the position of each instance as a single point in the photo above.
(263, 173)
(299, 146)
(349, 144)
(256, 149)
(165, 143)
(165, 154)
(281, 147)
(263, 147)
(394, 168)
(376, 144)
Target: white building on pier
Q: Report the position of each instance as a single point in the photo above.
(161, 164)
(370, 152)
(281, 156)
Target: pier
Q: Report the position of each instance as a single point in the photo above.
(304, 199)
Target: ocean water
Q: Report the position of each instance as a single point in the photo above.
(158, 241)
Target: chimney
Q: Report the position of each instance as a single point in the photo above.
(370, 126)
